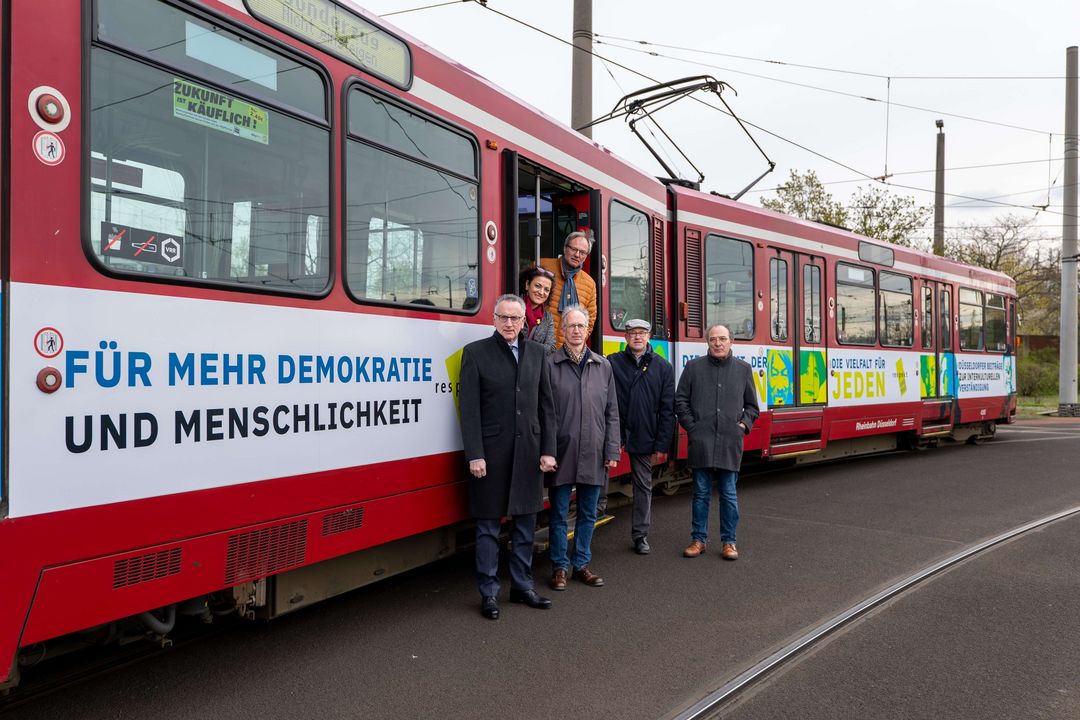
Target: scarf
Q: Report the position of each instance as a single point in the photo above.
(533, 315)
(569, 293)
(578, 358)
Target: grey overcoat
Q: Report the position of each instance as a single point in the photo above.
(713, 397)
(507, 419)
(587, 418)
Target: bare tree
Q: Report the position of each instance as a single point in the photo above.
(1013, 246)
(805, 197)
(875, 213)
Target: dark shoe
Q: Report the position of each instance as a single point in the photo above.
(641, 546)
(489, 608)
(530, 598)
(558, 579)
(696, 548)
(588, 577)
(728, 552)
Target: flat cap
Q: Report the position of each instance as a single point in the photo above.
(637, 324)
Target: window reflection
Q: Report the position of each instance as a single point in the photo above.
(411, 227)
(729, 285)
(897, 310)
(629, 265)
(855, 305)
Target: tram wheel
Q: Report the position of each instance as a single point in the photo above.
(669, 487)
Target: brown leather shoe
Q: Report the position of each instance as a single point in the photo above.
(695, 548)
(728, 552)
(558, 579)
(588, 577)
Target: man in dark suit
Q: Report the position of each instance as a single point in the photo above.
(508, 432)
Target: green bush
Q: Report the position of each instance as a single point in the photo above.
(1037, 373)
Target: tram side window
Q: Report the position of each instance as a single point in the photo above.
(411, 215)
(927, 318)
(946, 319)
(971, 319)
(778, 299)
(897, 306)
(856, 323)
(729, 285)
(811, 303)
(994, 319)
(188, 178)
(630, 241)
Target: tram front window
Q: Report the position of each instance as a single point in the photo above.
(190, 179)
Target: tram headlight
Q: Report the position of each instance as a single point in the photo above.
(50, 108)
(48, 379)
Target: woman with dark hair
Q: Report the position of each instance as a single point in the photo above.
(536, 284)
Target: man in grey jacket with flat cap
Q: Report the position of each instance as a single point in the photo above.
(717, 404)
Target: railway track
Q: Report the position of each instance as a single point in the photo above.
(717, 701)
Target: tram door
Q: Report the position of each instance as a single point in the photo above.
(542, 207)
(930, 338)
(797, 370)
(813, 364)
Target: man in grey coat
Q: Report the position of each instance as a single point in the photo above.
(508, 433)
(717, 404)
(587, 413)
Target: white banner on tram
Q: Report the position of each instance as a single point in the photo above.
(161, 395)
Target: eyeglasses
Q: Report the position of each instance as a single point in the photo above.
(643, 333)
(509, 318)
(576, 251)
(543, 271)
(576, 326)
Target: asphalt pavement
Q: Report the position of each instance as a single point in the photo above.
(995, 637)
(665, 630)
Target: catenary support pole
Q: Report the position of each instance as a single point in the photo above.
(1067, 370)
(581, 80)
(939, 192)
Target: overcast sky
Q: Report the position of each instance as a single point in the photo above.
(869, 41)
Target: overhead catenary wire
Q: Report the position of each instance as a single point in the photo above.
(834, 91)
(925, 172)
(424, 7)
(507, 16)
(833, 70)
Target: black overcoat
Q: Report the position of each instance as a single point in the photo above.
(507, 420)
(713, 397)
(646, 391)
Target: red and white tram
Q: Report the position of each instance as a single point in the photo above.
(244, 242)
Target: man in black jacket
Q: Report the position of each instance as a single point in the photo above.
(508, 432)
(645, 384)
(717, 405)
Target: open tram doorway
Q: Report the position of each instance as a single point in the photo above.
(542, 208)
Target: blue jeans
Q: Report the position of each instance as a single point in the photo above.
(583, 527)
(729, 504)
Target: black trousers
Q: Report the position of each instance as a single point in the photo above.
(522, 529)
